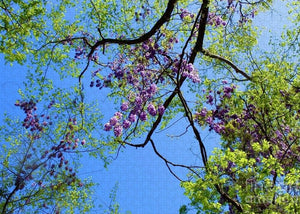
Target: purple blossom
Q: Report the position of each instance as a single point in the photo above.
(287, 129)
(138, 101)
(203, 112)
(119, 73)
(145, 46)
(191, 73)
(151, 109)
(210, 22)
(195, 77)
(279, 134)
(148, 55)
(255, 136)
(209, 120)
(230, 164)
(119, 115)
(113, 121)
(136, 110)
(218, 128)
(143, 116)
(283, 145)
(152, 89)
(227, 89)
(210, 99)
(279, 154)
(161, 109)
(211, 15)
(184, 13)
(126, 124)
(118, 130)
(124, 106)
(215, 19)
(228, 95)
(218, 20)
(107, 127)
(132, 118)
(185, 74)
(234, 116)
(190, 67)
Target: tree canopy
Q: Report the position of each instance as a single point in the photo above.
(206, 61)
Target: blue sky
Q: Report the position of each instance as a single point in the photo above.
(145, 184)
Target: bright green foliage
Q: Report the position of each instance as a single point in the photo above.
(257, 163)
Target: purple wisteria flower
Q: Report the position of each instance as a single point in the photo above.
(151, 109)
(215, 19)
(118, 130)
(161, 110)
(184, 13)
(209, 120)
(107, 127)
(219, 128)
(145, 46)
(227, 91)
(152, 89)
(190, 67)
(113, 121)
(210, 99)
(126, 124)
(203, 112)
(124, 106)
(132, 118)
(143, 116)
(279, 154)
(138, 101)
(279, 134)
(190, 72)
(119, 115)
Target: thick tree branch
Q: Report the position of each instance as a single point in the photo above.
(163, 19)
(201, 32)
(228, 62)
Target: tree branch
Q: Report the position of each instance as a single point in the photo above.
(195, 130)
(229, 199)
(171, 163)
(228, 62)
(201, 31)
(163, 19)
(196, 49)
